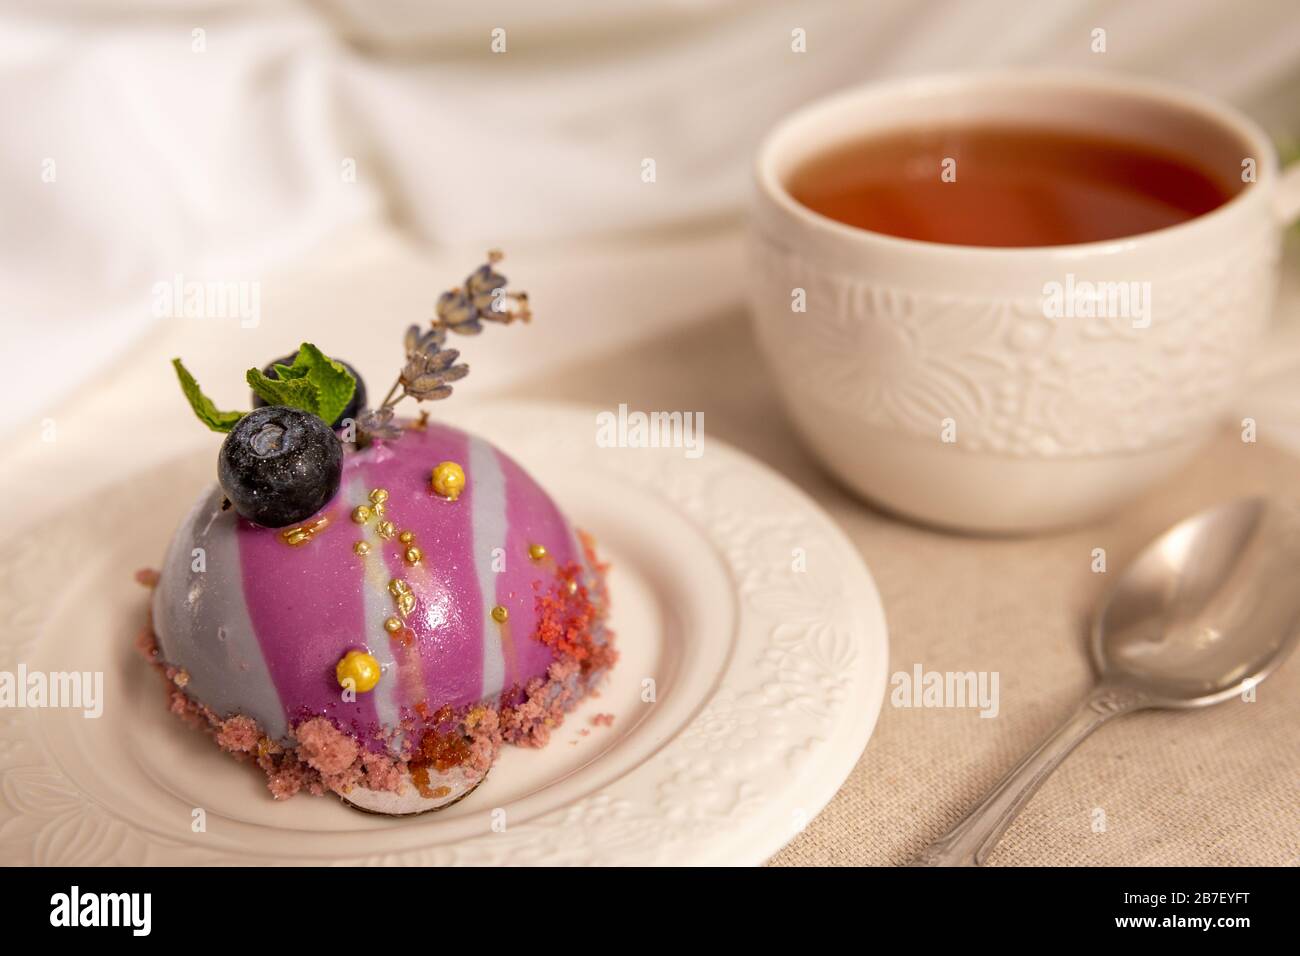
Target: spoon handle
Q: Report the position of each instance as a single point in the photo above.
(970, 841)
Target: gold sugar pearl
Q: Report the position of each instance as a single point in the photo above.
(361, 548)
(378, 496)
(358, 670)
(398, 586)
(500, 614)
(392, 625)
(407, 537)
(537, 551)
(378, 508)
(361, 514)
(448, 480)
(386, 529)
(413, 555)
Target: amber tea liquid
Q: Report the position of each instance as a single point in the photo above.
(1011, 186)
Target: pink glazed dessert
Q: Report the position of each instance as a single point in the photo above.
(385, 646)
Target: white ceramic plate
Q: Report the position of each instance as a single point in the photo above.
(766, 683)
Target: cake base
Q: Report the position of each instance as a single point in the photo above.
(408, 801)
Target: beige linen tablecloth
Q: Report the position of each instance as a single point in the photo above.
(1216, 786)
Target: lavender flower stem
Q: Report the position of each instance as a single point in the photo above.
(389, 396)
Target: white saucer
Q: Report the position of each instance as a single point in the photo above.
(766, 681)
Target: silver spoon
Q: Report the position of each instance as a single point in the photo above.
(1205, 613)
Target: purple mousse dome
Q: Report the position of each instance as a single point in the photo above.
(258, 624)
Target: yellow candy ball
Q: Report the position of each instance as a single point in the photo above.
(360, 668)
(449, 480)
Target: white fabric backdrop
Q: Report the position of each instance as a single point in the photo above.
(226, 162)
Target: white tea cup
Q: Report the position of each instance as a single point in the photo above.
(940, 382)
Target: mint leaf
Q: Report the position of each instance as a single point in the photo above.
(287, 372)
(295, 392)
(332, 378)
(207, 412)
(313, 383)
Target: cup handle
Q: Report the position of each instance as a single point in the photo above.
(1286, 201)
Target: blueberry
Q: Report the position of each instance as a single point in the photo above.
(354, 406)
(279, 465)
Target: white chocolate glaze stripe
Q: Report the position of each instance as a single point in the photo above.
(203, 631)
(378, 608)
(489, 517)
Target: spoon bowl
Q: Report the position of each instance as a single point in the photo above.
(1207, 609)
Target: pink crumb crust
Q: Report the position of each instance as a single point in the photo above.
(328, 759)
